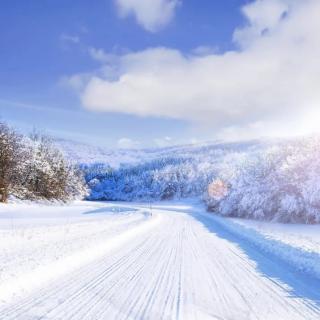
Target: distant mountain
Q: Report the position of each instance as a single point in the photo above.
(88, 154)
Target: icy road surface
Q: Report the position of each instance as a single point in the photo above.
(177, 263)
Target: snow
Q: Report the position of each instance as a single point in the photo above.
(295, 256)
(168, 260)
(304, 237)
(40, 243)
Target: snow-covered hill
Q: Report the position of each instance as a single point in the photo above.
(88, 154)
(83, 153)
(264, 180)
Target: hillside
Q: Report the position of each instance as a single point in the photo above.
(83, 153)
(265, 180)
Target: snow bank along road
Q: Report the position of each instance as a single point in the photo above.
(122, 263)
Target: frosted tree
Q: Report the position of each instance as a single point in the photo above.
(11, 156)
(33, 168)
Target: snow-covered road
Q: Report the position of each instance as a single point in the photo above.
(175, 264)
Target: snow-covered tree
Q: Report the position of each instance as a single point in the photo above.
(279, 183)
(33, 168)
(11, 156)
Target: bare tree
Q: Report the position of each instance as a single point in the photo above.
(10, 159)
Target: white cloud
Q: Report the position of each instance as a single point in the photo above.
(69, 38)
(272, 80)
(127, 143)
(152, 15)
(204, 50)
(77, 82)
(101, 55)
(263, 16)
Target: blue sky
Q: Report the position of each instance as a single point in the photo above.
(67, 66)
(43, 41)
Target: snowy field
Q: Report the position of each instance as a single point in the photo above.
(95, 260)
(302, 236)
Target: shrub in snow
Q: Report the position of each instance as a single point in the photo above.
(32, 168)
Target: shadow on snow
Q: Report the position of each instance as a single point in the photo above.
(113, 210)
(293, 281)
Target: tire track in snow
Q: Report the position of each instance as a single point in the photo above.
(179, 269)
(117, 241)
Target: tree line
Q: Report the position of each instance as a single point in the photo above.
(278, 181)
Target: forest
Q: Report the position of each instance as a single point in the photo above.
(278, 181)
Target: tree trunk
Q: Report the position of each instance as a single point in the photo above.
(3, 195)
